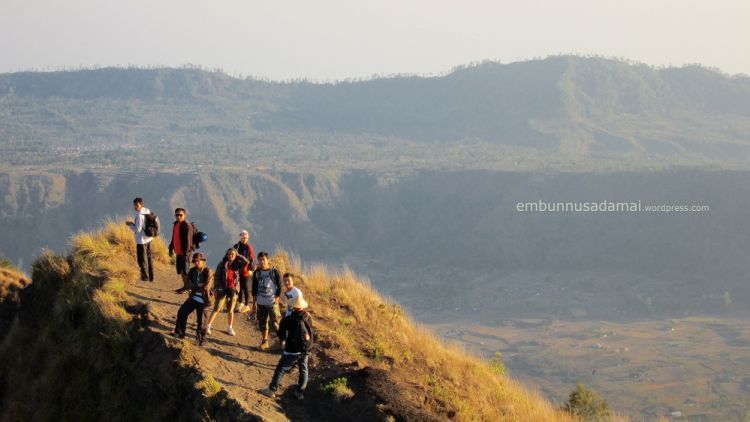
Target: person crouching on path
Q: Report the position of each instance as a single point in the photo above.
(200, 281)
(181, 246)
(142, 242)
(226, 284)
(266, 291)
(245, 248)
(296, 331)
(290, 292)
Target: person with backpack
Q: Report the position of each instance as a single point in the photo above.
(290, 292)
(143, 240)
(200, 282)
(245, 248)
(266, 291)
(296, 331)
(226, 285)
(181, 245)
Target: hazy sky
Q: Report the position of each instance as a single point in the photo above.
(335, 39)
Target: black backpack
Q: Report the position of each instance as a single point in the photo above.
(299, 335)
(151, 224)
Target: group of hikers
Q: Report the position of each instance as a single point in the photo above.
(240, 277)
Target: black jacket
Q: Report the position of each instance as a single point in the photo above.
(289, 331)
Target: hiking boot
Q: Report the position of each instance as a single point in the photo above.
(264, 344)
(243, 309)
(268, 392)
(181, 290)
(230, 331)
(208, 330)
(300, 395)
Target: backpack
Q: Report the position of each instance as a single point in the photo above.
(198, 237)
(151, 224)
(299, 336)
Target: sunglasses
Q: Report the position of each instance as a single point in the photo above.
(179, 215)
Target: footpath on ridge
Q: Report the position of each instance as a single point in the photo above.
(235, 362)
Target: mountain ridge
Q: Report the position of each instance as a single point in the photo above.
(560, 109)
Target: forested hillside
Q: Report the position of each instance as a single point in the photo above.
(562, 112)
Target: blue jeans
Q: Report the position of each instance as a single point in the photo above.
(286, 363)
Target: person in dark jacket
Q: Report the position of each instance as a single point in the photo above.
(200, 281)
(296, 331)
(245, 248)
(266, 291)
(226, 285)
(181, 245)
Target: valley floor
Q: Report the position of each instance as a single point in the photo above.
(697, 366)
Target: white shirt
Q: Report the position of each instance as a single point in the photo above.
(289, 295)
(140, 223)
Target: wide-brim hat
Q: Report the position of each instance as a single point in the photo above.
(199, 256)
(297, 302)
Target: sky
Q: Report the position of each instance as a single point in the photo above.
(328, 40)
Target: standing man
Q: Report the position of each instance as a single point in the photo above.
(296, 331)
(266, 292)
(181, 246)
(245, 248)
(142, 241)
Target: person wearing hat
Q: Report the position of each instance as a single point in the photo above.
(200, 281)
(245, 248)
(296, 331)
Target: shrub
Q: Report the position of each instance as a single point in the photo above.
(496, 364)
(586, 404)
(338, 389)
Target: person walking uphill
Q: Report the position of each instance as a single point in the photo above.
(200, 281)
(226, 284)
(266, 292)
(245, 248)
(296, 331)
(182, 245)
(142, 241)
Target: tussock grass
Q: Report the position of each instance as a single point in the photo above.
(359, 324)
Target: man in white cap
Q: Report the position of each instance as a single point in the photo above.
(245, 248)
(296, 331)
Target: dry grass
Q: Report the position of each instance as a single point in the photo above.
(354, 320)
(78, 341)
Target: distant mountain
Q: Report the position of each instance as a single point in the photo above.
(567, 108)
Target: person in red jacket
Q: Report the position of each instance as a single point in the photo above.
(226, 286)
(181, 246)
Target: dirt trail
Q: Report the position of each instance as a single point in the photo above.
(235, 362)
